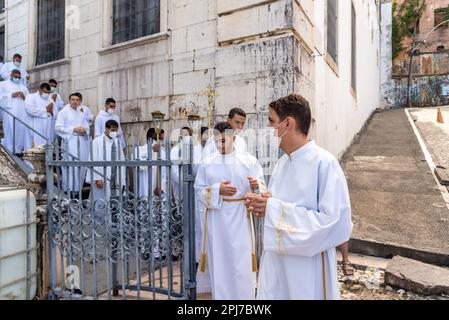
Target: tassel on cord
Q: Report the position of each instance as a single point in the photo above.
(203, 257)
(203, 253)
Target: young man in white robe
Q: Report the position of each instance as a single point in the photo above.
(59, 103)
(88, 114)
(181, 151)
(237, 120)
(102, 150)
(72, 127)
(12, 98)
(41, 110)
(108, 113)
(307, 212)
(158, 185)
(222, 181)
(16, 63)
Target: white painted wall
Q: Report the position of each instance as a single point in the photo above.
(339, 115)
(386, 66)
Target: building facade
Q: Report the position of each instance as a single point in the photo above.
(163, 54)
(430, 63)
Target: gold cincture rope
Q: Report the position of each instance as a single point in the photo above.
(251, 225)
(323, 261)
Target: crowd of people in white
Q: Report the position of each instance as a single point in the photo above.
(306, 204)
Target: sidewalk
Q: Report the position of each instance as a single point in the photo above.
(397, 205)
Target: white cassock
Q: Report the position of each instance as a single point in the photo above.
(228, 236)
(8, 67)
(307, 217)
(40, 119)
(102, 151)
(59, 104)
(100, 124)
(69, 119)
(143, 155)
(210, 148)
(15, 106)
(181, 151)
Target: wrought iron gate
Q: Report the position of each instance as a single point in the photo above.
(124, 243)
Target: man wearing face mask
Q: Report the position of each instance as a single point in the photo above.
(102, 151)
(55, 94)
(12, 98)
(307, 212)
(16, 63)
(73, 128)
(109, 113)
(59, 103)
(41, 110)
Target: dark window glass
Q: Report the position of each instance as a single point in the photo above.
(50, 30)
(332, 29)
(134, 19)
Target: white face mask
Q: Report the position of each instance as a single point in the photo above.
(113, 134)
(54, 90)
(111, 111)
(45, 96)
(277, 140)
(16, 63)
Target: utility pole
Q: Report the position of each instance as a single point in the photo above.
(411, 53)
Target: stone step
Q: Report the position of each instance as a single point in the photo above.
(417, 277)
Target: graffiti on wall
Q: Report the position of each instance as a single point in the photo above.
(424, 91)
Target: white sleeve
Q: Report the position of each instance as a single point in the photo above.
(4, 72)
(33, 110)
(61, 129)
(295, 230)
(208, 195)
(97, 128)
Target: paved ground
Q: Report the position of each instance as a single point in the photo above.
(395, 198)
(434, 134)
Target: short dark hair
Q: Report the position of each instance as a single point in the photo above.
(111, 124)
(45, 86)
(151, 133)
(294, 106)
(236, 111)
(203, 130)
(76, 94)
(53, 81)
(187, 129)
(17, 55)
(222, 127)
(16, 71)
(109, 101)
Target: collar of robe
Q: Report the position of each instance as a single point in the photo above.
(301, 151)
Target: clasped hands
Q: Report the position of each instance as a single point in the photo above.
(256, 203)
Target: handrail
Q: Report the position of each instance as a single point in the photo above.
(43, 137)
